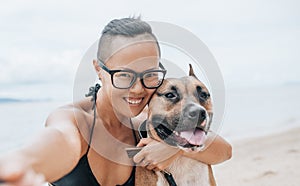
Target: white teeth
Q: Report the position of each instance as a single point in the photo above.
(135, 101)
(203, 123)
(176, 133)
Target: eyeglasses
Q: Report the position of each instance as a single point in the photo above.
(124, 79)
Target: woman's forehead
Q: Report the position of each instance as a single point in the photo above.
(138, 65)
(136, 54)
(119, 42)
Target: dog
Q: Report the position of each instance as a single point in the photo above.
(180, 114)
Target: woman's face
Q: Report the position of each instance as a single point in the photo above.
(137, 57)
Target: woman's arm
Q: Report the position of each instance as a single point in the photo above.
(158, 156)
(52, 153)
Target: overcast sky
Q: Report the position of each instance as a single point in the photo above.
(255, 42)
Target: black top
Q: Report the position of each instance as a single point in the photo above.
(82, 174)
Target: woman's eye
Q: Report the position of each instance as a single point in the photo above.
(124, 75)
(149, 75)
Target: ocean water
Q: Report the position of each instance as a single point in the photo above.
(258, 111)
(249, 111)
(19, 121)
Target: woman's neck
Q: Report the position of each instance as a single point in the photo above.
(108, 115)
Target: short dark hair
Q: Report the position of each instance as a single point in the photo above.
(126, 27)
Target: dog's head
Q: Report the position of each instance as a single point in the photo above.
(180, 112)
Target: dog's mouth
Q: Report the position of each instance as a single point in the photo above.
(191, 138)
(187, 138)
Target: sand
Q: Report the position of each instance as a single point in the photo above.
(270, 160)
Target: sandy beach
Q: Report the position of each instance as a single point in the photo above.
(263, 161)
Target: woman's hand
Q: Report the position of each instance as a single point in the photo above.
(13, 174)
(155, 155)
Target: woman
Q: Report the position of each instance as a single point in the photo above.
(84, 143)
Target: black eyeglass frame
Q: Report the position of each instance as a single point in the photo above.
(137, 75)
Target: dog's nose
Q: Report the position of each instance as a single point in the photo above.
(195, 112)
(202, 114)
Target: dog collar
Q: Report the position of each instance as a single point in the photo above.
(169, 177)
(142, 129)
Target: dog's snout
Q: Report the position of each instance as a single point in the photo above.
(202, 114)
(194, 112)
(199, 114)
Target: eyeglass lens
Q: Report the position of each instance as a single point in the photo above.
(125, 79)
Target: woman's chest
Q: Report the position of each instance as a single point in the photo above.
(108, 171)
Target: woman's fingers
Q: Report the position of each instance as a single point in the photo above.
(139, 157)
(32, 178)
(151, 166)
(16, 175)
(144, 142)
(155, 155)
(10, 172)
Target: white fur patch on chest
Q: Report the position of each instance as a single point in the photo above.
(186, 172)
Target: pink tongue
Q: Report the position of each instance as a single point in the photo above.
(193, 137)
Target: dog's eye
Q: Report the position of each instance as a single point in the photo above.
(204, 95)
(170, 95)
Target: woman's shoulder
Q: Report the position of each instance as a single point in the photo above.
(71, 113)
(72, 121)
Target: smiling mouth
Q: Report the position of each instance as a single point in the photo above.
(189, 138)
(133, 101)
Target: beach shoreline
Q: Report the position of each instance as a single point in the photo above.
(272, 159)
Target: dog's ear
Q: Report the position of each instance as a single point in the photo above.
(191, 73)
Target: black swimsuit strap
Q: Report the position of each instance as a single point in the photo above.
(92, 132)
(93, 92)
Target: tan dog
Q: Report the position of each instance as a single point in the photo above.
(180, 114)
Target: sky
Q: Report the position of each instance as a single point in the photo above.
(255, 42)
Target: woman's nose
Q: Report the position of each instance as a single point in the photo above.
(137, 87)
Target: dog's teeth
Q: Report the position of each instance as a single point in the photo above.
(176, 133)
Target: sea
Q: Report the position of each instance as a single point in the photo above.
(250, 112)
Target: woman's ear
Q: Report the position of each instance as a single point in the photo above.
(97, 68)
(96, 65)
